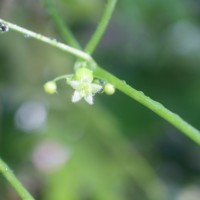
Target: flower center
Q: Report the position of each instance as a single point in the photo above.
(84, 89)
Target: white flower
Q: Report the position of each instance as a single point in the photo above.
(82, 83)
(84, 89)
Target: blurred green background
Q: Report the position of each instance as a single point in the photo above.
(115, 149)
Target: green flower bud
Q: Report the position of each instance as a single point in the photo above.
(83, 74)
(109, 89)
(50, 87)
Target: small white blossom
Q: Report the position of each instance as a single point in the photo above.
(82, 83)
(84, 89)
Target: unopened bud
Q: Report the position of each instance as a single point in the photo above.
(50, 87)
(109, 89)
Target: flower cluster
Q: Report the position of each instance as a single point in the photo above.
(82, 81)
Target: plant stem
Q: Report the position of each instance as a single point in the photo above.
(63, 77)
(47, 40)
(8, 174)
(61, 25)
(156, 107)
(101, 26)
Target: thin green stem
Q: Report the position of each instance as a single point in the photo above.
(52, 42)
(11, 178)
(61, 25)
(101, 26)
(63, 77)
(156, 107)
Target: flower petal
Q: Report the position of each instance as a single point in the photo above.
(76, 97)
(95, 88)
(75, 84)
(89, 99)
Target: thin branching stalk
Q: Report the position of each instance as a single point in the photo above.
(11, 178)
(67, 34)
(52, 42)
(62, 27)
(155, 106)
(92, 44)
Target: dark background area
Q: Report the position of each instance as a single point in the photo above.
(115, 149)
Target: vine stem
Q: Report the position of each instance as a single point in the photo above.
(155, 106)
(62, 27)
(67, 34)
(92, 44)
(63, 77)
(52, 42)
(9, 175)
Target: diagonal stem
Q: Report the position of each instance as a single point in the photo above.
(64, 30)
(52, 42)
(155, 106)
(92, 44)
(9, 175)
